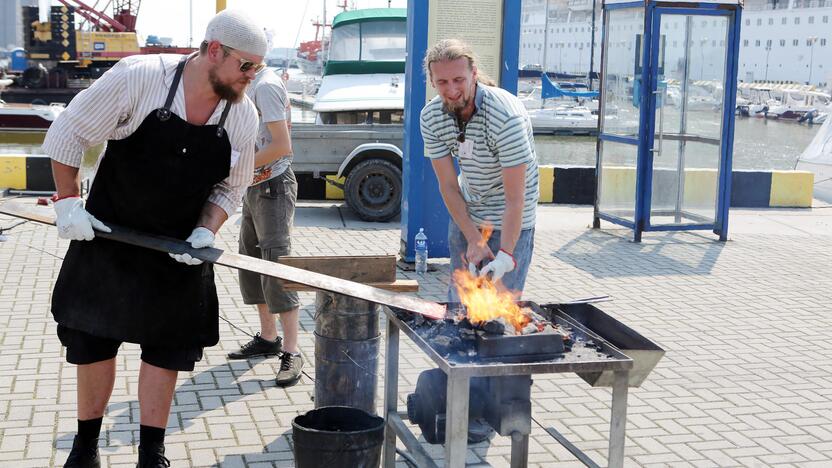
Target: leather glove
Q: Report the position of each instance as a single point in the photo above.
(200, 237)
(502, 264)
(74, 222)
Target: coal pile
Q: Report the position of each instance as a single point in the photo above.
(457, 339)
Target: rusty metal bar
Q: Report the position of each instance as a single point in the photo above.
(256, 265)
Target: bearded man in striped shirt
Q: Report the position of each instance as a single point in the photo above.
(488, 133)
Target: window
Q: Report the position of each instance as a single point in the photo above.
(747, 22)
(770, 21)
(768, 43)
(757, 43)
(823, 42)
(795, 42)
(745, 43)
(808, 42)
(796, 20)
(825, 19)
(759, 21)
(811, 20)
(782, 43)
(784, 20)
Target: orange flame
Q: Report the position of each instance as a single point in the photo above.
(486, 232)
(485, 302)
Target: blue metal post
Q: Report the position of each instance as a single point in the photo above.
(644, 161)
(422, 204)
(730, 102)
(511, 46)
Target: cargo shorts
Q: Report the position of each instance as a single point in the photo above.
(265, 232)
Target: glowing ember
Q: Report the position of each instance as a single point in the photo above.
(484, 302)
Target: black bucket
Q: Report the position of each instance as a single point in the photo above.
(337, 436)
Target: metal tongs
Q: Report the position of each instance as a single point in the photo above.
(588, 300)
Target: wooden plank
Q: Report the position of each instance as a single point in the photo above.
(397, 286)
(368, 269)
(241, 262)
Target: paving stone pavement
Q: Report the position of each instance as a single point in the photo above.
(746, 381)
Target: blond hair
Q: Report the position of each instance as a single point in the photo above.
(448, 50)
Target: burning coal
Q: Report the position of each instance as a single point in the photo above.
(459, 338)
(484, 301)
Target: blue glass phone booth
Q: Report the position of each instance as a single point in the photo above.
(668, 91)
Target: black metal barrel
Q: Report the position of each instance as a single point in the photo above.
(346, 351)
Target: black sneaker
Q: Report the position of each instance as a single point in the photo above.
(83, 454)
(258, 347)
(290, 367)
(152, 457)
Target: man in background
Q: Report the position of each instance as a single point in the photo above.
(265, 232)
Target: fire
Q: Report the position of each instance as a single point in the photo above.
(485, 302)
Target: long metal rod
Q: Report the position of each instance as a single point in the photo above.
(618, 420)
(519, 450)
(391, 392)
(415, 449)
(456, 423)
(572, 448)
(255, 265)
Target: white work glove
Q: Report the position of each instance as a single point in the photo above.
(74, 222)
(472, 268)
(201, 237)
(502, 264)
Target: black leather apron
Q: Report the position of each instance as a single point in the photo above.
(157, 180)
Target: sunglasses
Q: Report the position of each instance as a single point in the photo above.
(245, 65)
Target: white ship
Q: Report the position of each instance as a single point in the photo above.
(788, 40)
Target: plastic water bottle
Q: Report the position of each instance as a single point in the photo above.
(421, 252)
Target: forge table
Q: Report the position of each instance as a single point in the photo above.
(459, 376)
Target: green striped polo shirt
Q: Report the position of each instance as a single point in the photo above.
(501, 132)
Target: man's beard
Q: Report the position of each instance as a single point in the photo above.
(223, 90)
(458, 105)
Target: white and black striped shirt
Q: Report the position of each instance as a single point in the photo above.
(117, 103)
(501, 132)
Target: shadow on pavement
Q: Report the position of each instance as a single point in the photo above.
(605, 254)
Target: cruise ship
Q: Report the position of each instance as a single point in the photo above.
(780, 41)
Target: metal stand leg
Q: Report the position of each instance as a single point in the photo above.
(391, 393)
(618, 420)
(456, 422)
(519, 450)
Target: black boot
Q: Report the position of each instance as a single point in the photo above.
(152, 457)
(84, 454)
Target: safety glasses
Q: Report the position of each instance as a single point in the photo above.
(245, 65)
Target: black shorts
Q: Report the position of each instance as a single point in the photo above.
(83, 348)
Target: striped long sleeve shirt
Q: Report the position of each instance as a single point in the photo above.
(117, 103)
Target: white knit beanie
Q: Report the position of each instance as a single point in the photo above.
(235, 29)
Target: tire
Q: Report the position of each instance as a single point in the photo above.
(374, 190)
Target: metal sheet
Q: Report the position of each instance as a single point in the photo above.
(256, 265)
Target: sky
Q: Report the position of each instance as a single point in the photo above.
(290, 21)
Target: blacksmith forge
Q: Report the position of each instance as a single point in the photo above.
(607, 353)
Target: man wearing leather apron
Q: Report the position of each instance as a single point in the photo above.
(180, 140)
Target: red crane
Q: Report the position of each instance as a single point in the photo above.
(123, 19)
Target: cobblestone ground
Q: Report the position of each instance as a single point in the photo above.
(747, 378)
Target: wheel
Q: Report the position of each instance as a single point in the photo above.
(374, 190)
